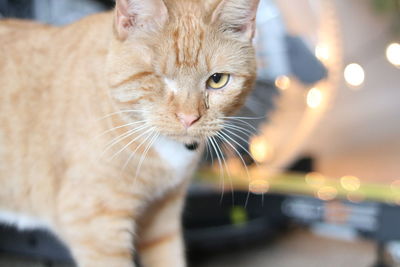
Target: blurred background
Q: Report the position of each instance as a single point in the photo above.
(308, 174)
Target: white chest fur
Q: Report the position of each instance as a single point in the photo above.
(176, 156)
(21, 221)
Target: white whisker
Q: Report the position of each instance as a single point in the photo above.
(243, 162)
(221, 170)
(119, 112)
(121, 137)
(152, 141)
(245, 118)
(237, 143)
(119, 127)
(209, 148)
(133, 153)
(130, 143)
(238, 128)
(227, 170)
(244, 123)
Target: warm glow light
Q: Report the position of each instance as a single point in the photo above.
(393, 54)
(354, 75)
(350, 183)
(327, 193)
(355, 197)
(283, 82)
(260, 149)
(395, 186)
(314, 98)
(259, 186)
(322, 52)
(315, 179)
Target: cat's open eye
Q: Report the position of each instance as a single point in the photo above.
(218, 80)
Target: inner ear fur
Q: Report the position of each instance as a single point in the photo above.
(139, 15)
(237, 17)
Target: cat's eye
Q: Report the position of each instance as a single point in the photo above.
(218, 80)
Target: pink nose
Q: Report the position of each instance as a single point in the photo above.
(187, 119)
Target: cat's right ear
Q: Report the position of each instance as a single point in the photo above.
(237, 17)
(136, 15)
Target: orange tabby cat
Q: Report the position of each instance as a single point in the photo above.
(95, 116)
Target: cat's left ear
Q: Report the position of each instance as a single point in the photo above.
(136, 15)
(238, 17)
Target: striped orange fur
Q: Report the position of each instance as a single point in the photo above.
(92, 128)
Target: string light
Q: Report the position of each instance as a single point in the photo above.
(260, 149)
(350, 183)
(259, 186)
(314, 98)
(393, 54)
(354, 75)
(283, 82)
(327, 193)
(322, 52)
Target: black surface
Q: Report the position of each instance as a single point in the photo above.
(16, 8)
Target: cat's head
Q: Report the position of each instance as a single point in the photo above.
(182, 66)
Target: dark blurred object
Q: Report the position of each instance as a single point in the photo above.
(214, 225)
(303, 63)
(303, 165)
(16, 8)
(390, 8)
(35, 244)
(109, 4)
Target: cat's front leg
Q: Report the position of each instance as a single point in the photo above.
(100, 236)
(160, 236)
(100, 242)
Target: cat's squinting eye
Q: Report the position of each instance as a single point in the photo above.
(218, 81)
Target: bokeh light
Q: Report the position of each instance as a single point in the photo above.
(354, 75)
(327, 193)
(350, 183)
(259, 186)
(283, 82)
(395, 186)
(355, 197)
(314, 98)
(393, 54)
(322, 52)
(315, 179)
(260, 150)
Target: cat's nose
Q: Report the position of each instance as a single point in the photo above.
(187, 120)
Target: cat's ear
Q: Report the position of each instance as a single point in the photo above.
(237, 16)
(133, 15)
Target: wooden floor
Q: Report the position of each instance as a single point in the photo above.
(296, 249)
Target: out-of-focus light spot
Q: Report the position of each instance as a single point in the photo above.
(397, 200)
(393, 54)
(260, 149)
(354, 75)
(236, 168)
(395, 186)
(350, 183)
(355, 197)
(327, 193)
(322, 52)
(315, 179)
(283, 82)
(259, 186)
(314, 98)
